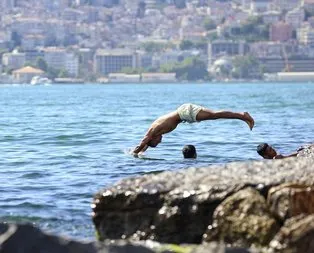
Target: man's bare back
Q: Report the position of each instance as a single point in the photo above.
(165, 124)
(187, 112)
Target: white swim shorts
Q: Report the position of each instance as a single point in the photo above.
(188, 112)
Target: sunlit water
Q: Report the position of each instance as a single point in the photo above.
(60, 144)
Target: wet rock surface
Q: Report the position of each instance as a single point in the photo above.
(243, 219)
(246, 203)
(288, 200)
(295, 236)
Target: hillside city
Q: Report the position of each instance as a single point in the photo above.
(156, 40)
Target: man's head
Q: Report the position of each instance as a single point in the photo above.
(266, 151)
(154, 141)
(189, 151)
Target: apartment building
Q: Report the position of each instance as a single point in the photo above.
(278, 65)
(305, 34)
(258, 6)
(286, 4)
(55, 57)
(219, 48)
(32, 41)
(13, 60)
(280, 32)
(113, 60)
(308, 4)
(59, 58)
(295, 17)
(72, 64)
(31, 56)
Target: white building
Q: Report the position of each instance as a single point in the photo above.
(286, 4)
(31, 41)
(219, 10)
(28, 25)
(55, 57)
(150, 4)
(13, 60)
(60, 59)
(295, 17)
(271, 17)
(158, 77)
(305, 35)
(258, 6)
(295, 76)
(72, 64)
(123, 78)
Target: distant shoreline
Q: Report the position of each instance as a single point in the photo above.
(164, 83)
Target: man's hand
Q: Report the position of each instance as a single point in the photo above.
(136, 150)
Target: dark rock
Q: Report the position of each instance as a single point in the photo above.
(28, 239)
(296, 236)
(288, 200)
(24, 238)
(243, 219)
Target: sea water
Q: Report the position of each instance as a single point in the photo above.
(60, 144)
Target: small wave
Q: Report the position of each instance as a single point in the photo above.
(27, 205)
(22, 219)
(33, 175)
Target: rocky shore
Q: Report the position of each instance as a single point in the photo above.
(261, 206)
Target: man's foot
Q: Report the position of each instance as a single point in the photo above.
(249, 120)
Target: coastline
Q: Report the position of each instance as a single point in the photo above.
(164, 83)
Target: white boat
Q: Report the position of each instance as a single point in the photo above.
(38, 80)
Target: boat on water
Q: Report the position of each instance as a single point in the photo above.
(38, 80)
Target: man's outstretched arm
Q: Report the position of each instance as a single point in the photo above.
(285, 156)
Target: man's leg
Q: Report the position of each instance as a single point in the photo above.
(206, 114)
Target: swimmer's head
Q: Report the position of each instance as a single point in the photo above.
(189, 151)
(266, 151)
(154, 141)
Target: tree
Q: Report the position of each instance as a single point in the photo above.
(28, 64)
(63, 73)
(16, 38)
(153, 47)
(129, 70)
(245, 66)
(3, 51)
(191, 69)
(186, 44)
(180, 4)
(209, 24)
(308, 13)
(41, 64)
(212, 36)
(52, 73)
